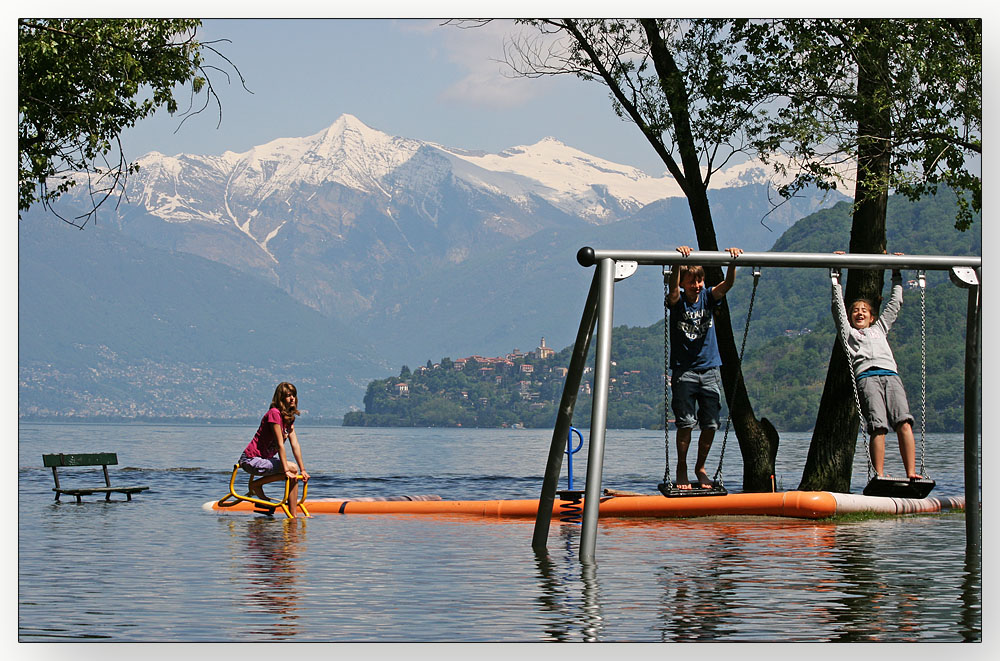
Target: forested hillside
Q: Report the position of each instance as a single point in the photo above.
(788, 347)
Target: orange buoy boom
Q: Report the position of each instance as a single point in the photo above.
(796, 504)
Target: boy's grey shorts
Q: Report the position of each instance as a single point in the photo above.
(697, 398)
(884, 401)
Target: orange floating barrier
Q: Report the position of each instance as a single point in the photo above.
(796, 504)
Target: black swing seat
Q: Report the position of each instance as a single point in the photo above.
(671, 490)
(899, 487)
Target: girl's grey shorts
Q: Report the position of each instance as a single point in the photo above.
(884, 402)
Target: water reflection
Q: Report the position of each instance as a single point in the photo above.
(268, 573)
(569, 590)
(593, 620)
(971, 622)
(761, 580)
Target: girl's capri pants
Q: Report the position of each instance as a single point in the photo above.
(261, 465)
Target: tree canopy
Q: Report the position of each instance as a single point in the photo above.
(899, 103)
(923, 75)
(81, 82)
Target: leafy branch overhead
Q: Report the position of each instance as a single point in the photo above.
(930, 77)
(81, 82)
(672, 79)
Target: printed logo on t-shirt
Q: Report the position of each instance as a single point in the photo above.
(695, 323)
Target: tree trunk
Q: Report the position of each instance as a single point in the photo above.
(758, 439)
(831, 453)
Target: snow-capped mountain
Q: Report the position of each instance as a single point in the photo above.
(409, 250)
(592, 188)
(344, 218)
(335, 216)
(353, 155)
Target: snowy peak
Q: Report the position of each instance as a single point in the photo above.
(352, 154)
(348, 124)
(355, 155)
(576, 181)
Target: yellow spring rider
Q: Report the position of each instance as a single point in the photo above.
(266, 506)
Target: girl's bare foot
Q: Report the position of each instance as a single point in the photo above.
(257, 492)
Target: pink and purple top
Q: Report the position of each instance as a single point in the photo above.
(265, 443)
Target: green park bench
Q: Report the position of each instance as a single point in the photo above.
(102, 459)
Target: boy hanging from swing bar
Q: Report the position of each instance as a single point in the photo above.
(695, 375)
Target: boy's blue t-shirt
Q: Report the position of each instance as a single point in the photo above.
(692, 334)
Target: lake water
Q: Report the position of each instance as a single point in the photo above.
(161, 569)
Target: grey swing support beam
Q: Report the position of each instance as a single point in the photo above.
(616, 265)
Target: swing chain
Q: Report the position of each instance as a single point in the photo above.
(922, 283)
(739, 368)
(862, 425)
(666, 372)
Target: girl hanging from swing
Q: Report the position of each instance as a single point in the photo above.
(880, 390)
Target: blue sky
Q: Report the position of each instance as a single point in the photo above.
(414, 78)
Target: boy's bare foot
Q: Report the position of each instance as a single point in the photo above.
(703, 480)
(683, 483)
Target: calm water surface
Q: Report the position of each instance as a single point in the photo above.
(161, 569)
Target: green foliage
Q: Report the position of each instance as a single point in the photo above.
(81, 82)
(929, 76)
(788, 349)
(674, 79)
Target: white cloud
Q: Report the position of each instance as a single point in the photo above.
(488, 81)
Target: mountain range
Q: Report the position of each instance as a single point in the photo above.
(333, 258)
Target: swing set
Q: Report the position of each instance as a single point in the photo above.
(617, 265)
(876, 485)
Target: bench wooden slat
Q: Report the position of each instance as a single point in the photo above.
(85, 459)
(89, 490)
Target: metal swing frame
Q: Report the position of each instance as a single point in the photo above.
(617, 265)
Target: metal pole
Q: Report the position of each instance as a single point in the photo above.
(599, 415)
(565, 418)
(589, 256)
(973, 522)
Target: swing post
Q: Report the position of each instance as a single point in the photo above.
(564, 419)
(968, 278)
(599, 412)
